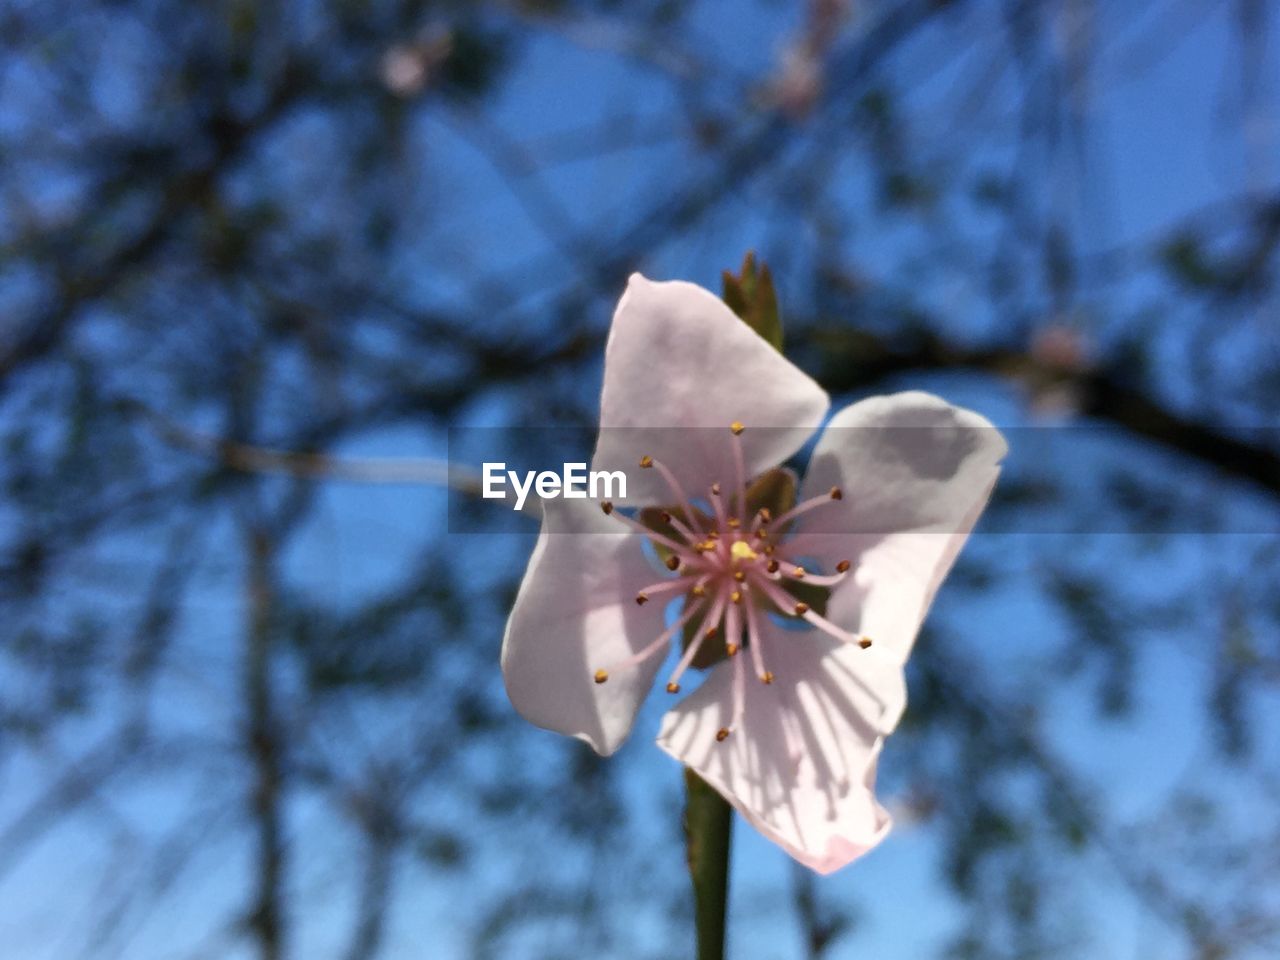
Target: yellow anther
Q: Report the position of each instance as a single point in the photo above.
(736, 596)
(764, 514)
(801, 608)
(766, 677)
(731, 649)
(710, 632)
(837, 493)
(734, 523)
(742, 551)
(736, 427)
(646, 462)
(601, 676)
(698, 590)
(798, 573)
(673, 687)
(739, 575)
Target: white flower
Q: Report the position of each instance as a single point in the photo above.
(789, 724)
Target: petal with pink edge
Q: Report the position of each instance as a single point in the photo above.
(915, 473)
(680, 367)
(800, 766)
(575, 613)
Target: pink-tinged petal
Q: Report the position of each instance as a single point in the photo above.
(679, 369)
(915, 474)
(800, 766)
(576, 613)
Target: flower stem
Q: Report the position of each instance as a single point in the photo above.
(708, 820)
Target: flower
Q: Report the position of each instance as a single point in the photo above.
(789, 723)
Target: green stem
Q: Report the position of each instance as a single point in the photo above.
(708, 820)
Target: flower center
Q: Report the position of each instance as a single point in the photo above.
(733, 570)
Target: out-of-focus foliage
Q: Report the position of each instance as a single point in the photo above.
(248, 709)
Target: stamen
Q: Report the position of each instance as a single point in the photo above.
(741, 551)
(653, 647)
(646, 462)
(673, 688)
(807, 505)
(829, 628)
(674, 486)
(739, 575)
(755, 642)
(737, 428)
(706, 630)
(667, 586)
(736, 596)
(766, 678)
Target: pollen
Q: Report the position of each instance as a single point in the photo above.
(601, 676)
(737, 427)
(742, 551)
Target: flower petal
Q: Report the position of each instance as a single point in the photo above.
(575, 613)
(800, 766)
(679, 365)
(915, 473)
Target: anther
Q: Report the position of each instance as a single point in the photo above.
(641, 599)
(601, 676)
(646, 462)
(666, 517)
(607, 507)
(741, 550)
(673, 687)
(773, 566)
(731, 649)
(734, 523)
(715, 489)
(736, 427)
(722, 735)
(736, 596)
(710, 632)
(801, 608)
(864, 642)
(798, 573)
(843, 566)
(698, 590)
(766, 677)
(837, 493)
(769, 549)
(764, 514)
(739, 575)
(672, 562)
